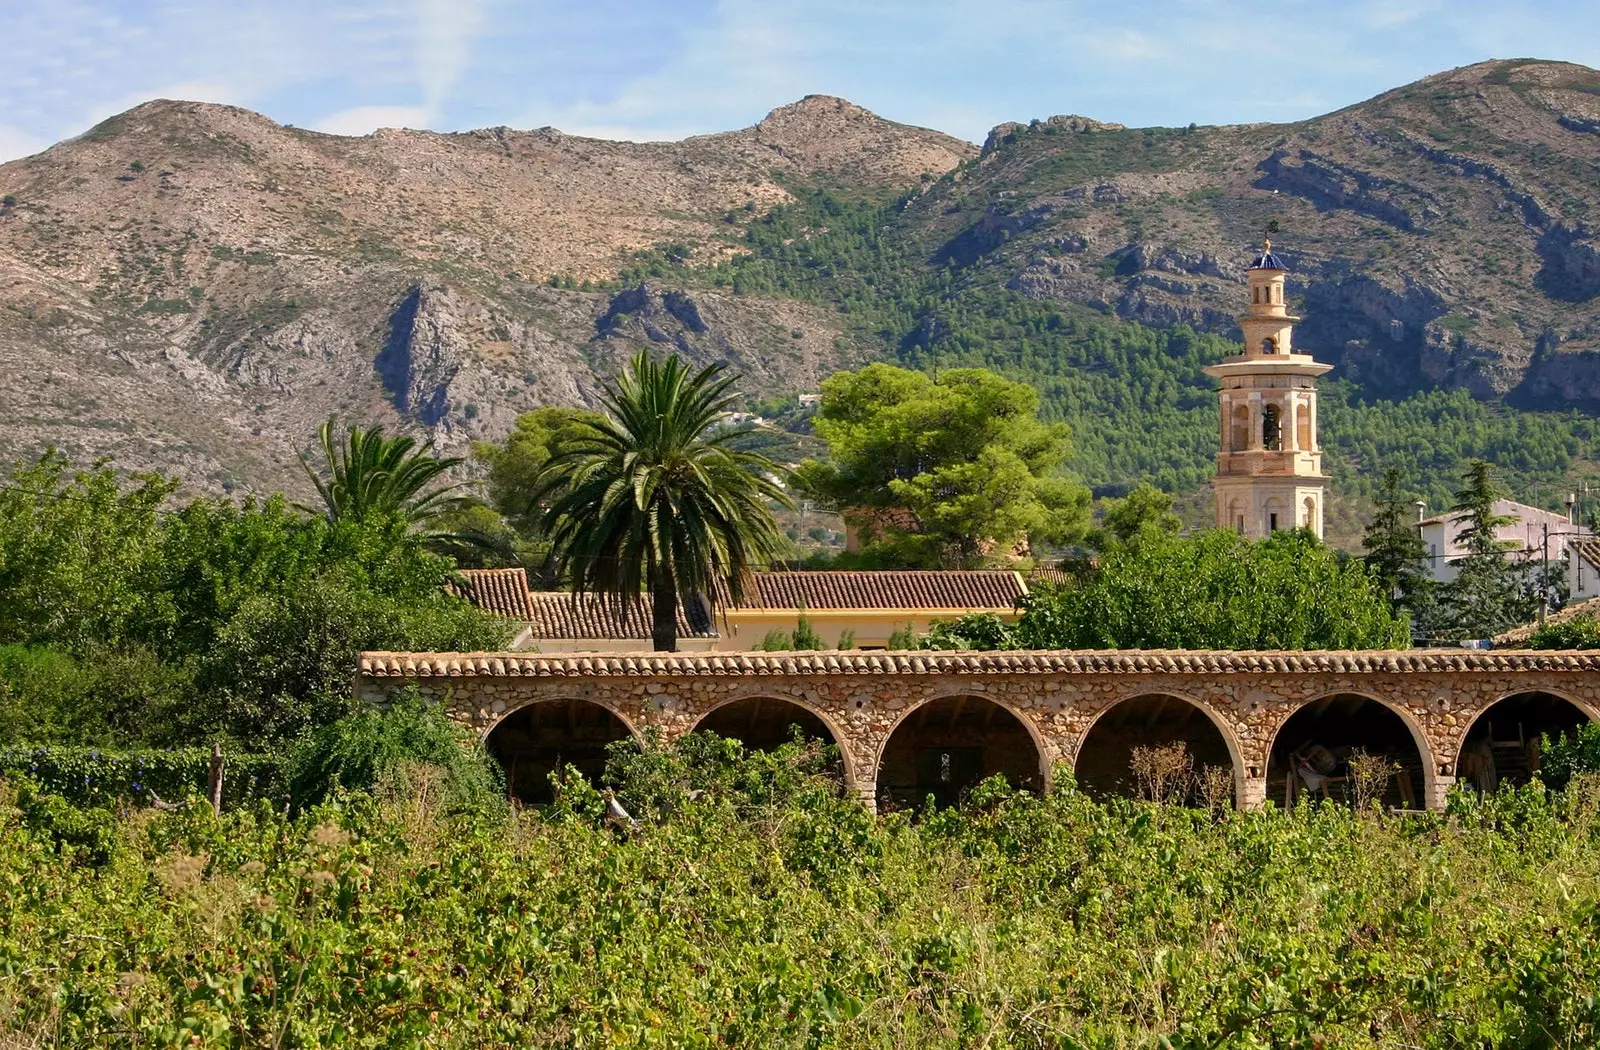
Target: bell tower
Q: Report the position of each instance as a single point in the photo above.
(1269, 472)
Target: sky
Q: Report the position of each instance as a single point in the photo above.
(663, 69)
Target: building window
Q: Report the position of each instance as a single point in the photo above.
(1311, 513)
(1241, 429)
(1271, 428)
(1272, 522)
(1268, 346)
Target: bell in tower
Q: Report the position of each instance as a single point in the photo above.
(1269, 471)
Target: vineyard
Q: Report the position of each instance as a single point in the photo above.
(747, 903)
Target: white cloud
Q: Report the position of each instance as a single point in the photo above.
(14, 143)
(363, 120)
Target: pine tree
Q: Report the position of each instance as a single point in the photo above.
(1395, 551)
(1488, 594)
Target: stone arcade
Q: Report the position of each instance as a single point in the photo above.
(910, 724)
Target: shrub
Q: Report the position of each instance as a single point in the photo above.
(1580, 632)
(354, 753)
(1570, 755)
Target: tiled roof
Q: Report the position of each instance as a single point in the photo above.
(1050, 577)
(895, 590)
(1517, 635)
(554, 614)
(560, 614)
(500, 591)
(1107, 661)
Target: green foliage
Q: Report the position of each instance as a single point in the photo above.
(1579, 632)
(974, 631)
(88, 776)
(806, 636)
(1570, 755)
(756, 906)
(1215, 591)
(355, 753)
(847, 640)
(516, 470)
(650, 499)
(123, 623)
(1490, 591)
(1144, 510)
(1396, 554)
(944, 472)
(777, 640)
(903, 638)
(369, 476)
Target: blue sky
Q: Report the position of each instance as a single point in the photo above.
(664, 69)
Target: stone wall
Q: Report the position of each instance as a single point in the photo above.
(863, 697)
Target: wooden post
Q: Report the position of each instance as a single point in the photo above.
(216, 777)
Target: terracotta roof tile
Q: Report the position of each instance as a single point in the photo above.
(1106, 661)
(560, 614)
(500, 591)
(1050, 577)
(822, 589)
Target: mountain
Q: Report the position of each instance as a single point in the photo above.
(1440, 235)
(193, 287)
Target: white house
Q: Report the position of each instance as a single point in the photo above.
(1527, 537)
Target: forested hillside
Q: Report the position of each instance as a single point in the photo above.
(1135, 395)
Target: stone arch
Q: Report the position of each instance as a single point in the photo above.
(1502, 741)
(1239, 436)
(950, 741)
(762, 734)
(1271, 427)
(532, 740)
(1369, 724)
(1156, 734)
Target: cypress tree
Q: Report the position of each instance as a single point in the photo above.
(1396, 554)
(1487, 595)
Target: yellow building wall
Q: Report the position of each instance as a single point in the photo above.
(744, 629)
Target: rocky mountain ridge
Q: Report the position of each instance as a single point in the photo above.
(193, 287)
(1440, 235)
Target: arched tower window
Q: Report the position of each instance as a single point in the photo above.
(1311, 514)
(1271, 428)
(1269, 346)
(1240, 438)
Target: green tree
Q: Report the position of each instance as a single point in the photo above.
(370, 475)
(1145, 509)
(122, 621)
(946, 472)
(1396, 555)
(1489, 592)
(1217, 590)
(650, 499)
(516, 467)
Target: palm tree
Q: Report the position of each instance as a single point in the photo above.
(368, 475)
(651, 500)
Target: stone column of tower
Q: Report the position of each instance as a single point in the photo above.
(1269, 472)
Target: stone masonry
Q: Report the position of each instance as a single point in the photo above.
(863, 696)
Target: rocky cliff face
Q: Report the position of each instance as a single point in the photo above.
(193, 287)
(1442, 234)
